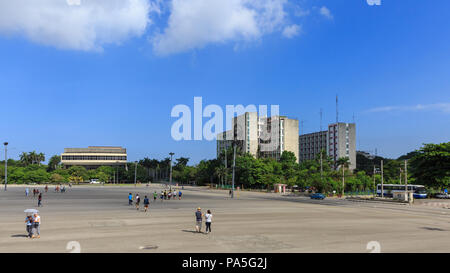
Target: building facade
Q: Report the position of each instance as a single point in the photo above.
(342, 142)
(311, 144)
(94, 157)
(262, 137)
(339, 141)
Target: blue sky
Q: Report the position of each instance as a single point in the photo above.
(71, 80)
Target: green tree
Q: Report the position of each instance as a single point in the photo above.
(431, 165)
(78, 173)
(54, 163)
(57, 178)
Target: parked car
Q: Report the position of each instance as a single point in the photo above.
(94, 181)
(317, 196)
(442, 195)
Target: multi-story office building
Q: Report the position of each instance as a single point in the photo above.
(339, 141)
(94, 157)
(261, 136)
(342, 142)
(224, 141)
(311, 144)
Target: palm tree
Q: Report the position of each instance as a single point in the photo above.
(40, 158)
(33, 157)
(25, 159)
(344, 163)
(147, 163)
(220, 171)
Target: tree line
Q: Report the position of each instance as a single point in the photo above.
(429, 166)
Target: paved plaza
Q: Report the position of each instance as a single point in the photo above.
(100, 220)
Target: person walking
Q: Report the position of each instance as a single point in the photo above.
(198, 220)
(130, 199)
(179, 195)
(36, 226)
(162, 196)
(27, 191)
(34, 193)
(40, 200)
(165, 195)
(146, 203)
(46, 188)
(138, 199)
(174, 194)
(155, 196)
(208, 220)
(29, 224)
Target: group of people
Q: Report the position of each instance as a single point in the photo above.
(164, 195)
(33, 224)
(199, 219)
(35, 192)
(167, 195)
(60, 188)
(137, 201)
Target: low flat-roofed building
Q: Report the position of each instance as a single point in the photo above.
(94, 156)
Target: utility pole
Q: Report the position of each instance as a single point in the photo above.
(6, 164)
(374, 186)
(234, 167)
(406, 179)
(171, 155)
(135, 172)
(226, 167)
(343, 180)
(382, 180)
(320, 145)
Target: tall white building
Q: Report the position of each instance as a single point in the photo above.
(342, 142)
(261, 136)
(339, 141)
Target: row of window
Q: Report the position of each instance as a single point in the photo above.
(92, 157)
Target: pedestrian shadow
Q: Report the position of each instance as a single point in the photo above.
(19, 236)
(191, 231)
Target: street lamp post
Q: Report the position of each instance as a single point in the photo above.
(374, 185)
(6, 164)
(382, 180)
(170, 179)
(234, 167)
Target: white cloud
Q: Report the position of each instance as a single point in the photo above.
(76, 24)
(300, 12)
(291, 31)
(441, 107)
(326, 12)
(194, 24)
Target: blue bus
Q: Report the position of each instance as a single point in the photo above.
(418, 191)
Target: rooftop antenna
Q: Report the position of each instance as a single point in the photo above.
(320, 119)
(337, 110)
